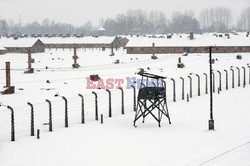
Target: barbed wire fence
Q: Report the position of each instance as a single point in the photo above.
(82, 109)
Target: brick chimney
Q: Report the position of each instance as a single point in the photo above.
(75, 57)
(9, 89)
(7, 64)
(29, 59)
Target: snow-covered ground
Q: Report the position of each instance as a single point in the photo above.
(186, 141)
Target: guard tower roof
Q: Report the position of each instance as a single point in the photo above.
(154, 76)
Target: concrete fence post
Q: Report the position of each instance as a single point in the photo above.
(82, 109)
(12, 123)
(174, 90)
(32, 123)
(66, 118)
(134, 97)
(226, 79)
(232, 77)
(96, 106)
(50, 115)
(122, 100)
(110, 101)
(190, 90)
(199, 85)
(206, 83)
(238, 76)
(249, 74)
(220, 87)
(183, 88)
(213, 81)
(244, 76)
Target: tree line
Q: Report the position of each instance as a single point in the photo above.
(218, 19)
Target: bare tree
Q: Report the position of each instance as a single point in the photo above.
(244, 20)
(184, 23)
(4, 28)
(216, 19)
(204, 19)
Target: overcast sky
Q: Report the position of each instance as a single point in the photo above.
(79, 12)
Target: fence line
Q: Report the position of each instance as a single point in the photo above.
(62, 112)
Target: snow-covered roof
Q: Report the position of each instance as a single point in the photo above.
(101, 29)
(2, 48)
(199, 40)
(21, 42)
(29, 42)
(83, 40)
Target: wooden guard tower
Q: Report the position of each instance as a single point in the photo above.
(152, 99)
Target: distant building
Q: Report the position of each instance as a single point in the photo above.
(199, 44)
(22, 45)
(101, 31)
(123, 41)
(85, 42)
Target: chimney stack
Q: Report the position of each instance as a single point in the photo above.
(30, 61)
(75, 57)
(7, 68)
(9, 89)
(191, 36)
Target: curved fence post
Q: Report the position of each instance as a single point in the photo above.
(82, 110)
(32, 128)
(206, 84)
(220, 87)
(238, 76)
(66, 120)
(199, 85)
(134, 97)
(12, 123)
(232, 77)
(183, 88)
(96, 106)
(174, 90)
(190, 79)
(50, 115)
(226, 79)
(244, 76)
(249, 74)
(110, 107)
(122, 104)
(213, 82)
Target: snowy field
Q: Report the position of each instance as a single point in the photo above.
(186, 141)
